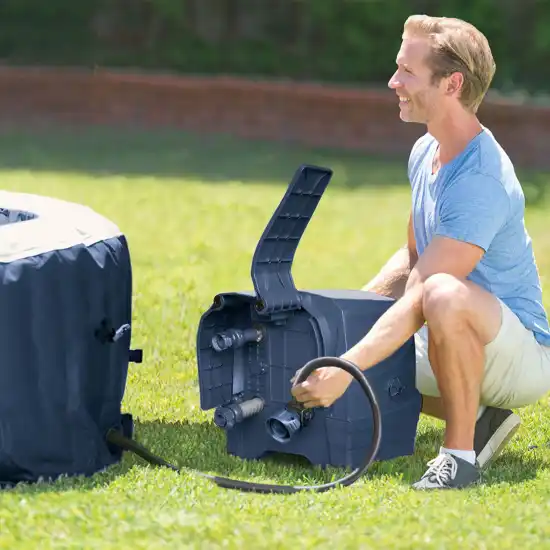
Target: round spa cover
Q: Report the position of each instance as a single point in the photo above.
(65, 294)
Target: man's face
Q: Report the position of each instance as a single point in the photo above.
(419, 99)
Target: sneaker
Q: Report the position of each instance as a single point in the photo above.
(494, 429)
(447, 471)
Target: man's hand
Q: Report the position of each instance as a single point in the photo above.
(322, 387)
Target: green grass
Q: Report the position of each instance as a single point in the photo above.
(190, 238)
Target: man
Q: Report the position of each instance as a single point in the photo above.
(467, 285)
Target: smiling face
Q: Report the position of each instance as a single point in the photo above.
(420, 99)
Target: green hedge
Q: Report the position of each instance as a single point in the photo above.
(348, 41)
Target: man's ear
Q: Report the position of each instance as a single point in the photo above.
(454, 83)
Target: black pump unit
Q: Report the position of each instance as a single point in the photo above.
(250, 345)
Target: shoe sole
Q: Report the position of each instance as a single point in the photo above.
(498, 441)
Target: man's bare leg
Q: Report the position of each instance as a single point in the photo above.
(433, 406)
(462, 319)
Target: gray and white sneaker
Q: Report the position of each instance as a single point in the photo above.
(494, 429)
(447, 471)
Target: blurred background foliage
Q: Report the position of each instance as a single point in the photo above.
(344, 41)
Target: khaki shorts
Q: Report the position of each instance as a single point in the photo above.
(517, 367)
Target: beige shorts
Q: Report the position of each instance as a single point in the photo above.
(517, 367)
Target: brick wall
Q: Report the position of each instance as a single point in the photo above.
(314, 115)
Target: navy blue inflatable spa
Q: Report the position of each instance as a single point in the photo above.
(66, 292)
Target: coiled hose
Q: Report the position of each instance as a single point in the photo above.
(116, 438)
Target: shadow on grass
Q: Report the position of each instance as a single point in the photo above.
(172, 154)
(200, 447)
(165, 153)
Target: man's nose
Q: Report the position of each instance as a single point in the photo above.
(394, 82)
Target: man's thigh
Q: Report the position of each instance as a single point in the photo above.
(517, 367)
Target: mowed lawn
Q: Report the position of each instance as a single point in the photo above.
(193, 210)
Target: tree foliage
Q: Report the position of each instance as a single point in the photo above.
(351, 41)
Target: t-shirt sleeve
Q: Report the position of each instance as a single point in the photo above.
(473, 210)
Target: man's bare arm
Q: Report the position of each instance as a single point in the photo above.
(405, 317)
(397, 324)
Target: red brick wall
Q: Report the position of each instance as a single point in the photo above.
(314, 115)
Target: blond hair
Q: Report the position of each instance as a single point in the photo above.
(457, 46)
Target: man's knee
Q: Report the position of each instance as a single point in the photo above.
(445, 298)
(448, 301)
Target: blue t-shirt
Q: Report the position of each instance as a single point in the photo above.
(477, 198)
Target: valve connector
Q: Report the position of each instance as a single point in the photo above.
(283, 425)
(235, 338)
(228, 415)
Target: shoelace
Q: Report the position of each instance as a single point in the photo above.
(443, 468)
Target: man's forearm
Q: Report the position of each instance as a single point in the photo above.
(392, 278)
(401, 321)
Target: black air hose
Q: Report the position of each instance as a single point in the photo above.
(114, 437)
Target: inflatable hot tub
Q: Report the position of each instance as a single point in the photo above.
(66, 298)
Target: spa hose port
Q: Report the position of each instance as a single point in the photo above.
(235, 338)
(283, 425)
(228, 415)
